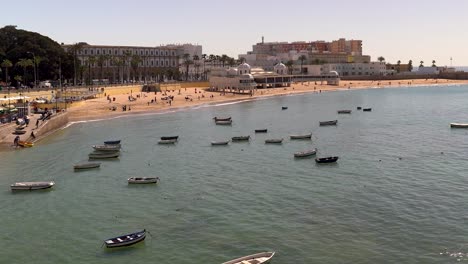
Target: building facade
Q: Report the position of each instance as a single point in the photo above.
(356, 69)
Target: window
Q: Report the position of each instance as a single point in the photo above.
(157, 53)
(92, 52)
(157, 63)
(97, 52)
(115, 52)
(86, 52)
(146, 53)
(167, 63)
(151, 52)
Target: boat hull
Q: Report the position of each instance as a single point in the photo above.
(458, 125)
(142, 180)
(222, 119)
(29, 186)
(25, 144)
(304, 154)
(170, 138)
(344, 111)
(223, 123)
(308, 136)
(87, 166)
(328, 123)
(367, 109)
(101, 155)
(112, 142)
(261, 130)
(274, 141)
(169, 141)
(219, 143)
(243, 138)
(125, 240)
(259, 258)
(326, 160)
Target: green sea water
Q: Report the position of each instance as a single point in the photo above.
(398, 193)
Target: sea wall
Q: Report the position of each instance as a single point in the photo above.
(56, 122)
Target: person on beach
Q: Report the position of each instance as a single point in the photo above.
(32, 135)
(15, 142)
(37, 123)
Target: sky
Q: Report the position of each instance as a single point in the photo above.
(397, 30)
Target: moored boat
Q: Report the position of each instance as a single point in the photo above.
(87, 165)
(307, 153)
(284, 107)
(169, 138)
(31, 185)
(104, 155)
(274, 141)
(259, 258)
(224, 122)
(241, 138)
(167, 141)
(112, 142)
(222, 118)
(459, 125)
(126, 240)
(367, 109)
(326, 159)
(25, 144)
(305, 136)
(358, 108)
(143, 180)
(219, 143)
(263, 130)
(115, 147)
(329, 123)
(344, 111)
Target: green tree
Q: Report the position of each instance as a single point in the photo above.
(134, 64)
(381, 59)
(101, 60)
(421, 64)
(6, 64)
(75, 49)
(24, 64)
(302, 58)
(196, 64)
(434, 63)
(187, 62)
(290, 64)
(410, 65)
(398, 66)
(224, 58)
(91, 62)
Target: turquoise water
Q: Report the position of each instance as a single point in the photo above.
(397, 194)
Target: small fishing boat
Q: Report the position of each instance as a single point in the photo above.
(219, 143)
(168, 141)
(143, 180)
(222, 118)
(274, 141)
(307, 153)
(328, 123)
(284, 107)
(169, 138)
(112, 142)
(241, 138)
(367, 109)
(25, 144)
(326, 160)
(31, 185)
(104, 155)
(358, 108)
(86, 166)
(126, 240)
(115, 147)
(19, 132)
(258, 258)
(224, 123)
(344, 111)
(264, 130)
(20, 127)
(306, 136)
(459, 125)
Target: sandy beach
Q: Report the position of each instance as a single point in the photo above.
(150, 102)
(100, 108)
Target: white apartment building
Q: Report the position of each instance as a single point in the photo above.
(356, 69)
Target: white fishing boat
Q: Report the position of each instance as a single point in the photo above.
(104, 155)
(143, 180)
(225, 123)
(306, 136)
(86, 166)
(115, 147)
(32, 185)
(459, 125)
(305, 153)
(274, 141)
(259, 258)
(167, 141)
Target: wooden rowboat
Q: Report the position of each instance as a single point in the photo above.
(86, 166)
(31, 185)
(19, 132)
(307, 153)
(224, 123)
(169, 138)
(241, 138)
(284, 107)
(306, 136)
(143, 180)
(222, 118)
(326, 160)
(263, 130)
(344, 111)
(258, 258)
(104, 155)
(274, 141)
(114, 147)
(169, 141)
(112, 142)
(126, 240)
(328, 123)
(219, 143)
(25, 144)
(367, 109)
(358, 108)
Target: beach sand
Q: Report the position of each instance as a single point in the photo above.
(100, 108)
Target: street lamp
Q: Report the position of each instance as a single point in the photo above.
(34, 61)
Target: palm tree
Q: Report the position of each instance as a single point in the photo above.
(302, 58)
(25, 63)
(126, 55)
(6, 64)
(75, 49)
(398, 64)
(381, 59)
(134, 63)
(36, 61)
(91, 62)
(290, 64)
(196, 58)
(217, 59)
(187, 62)
(101, 59)
(421, 64)
(241, 60)
(231, 62)
(224, 59)
(410, 65)
(433, 63)
(204, 56)
(18, 80)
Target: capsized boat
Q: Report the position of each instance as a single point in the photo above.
(326, 159)
(104, 155)
(259, 258)
(87, 165)
(220, 143)
(126, 240)
(112, 142)
(31, 185)
(459, 125)
(274, 141)
(328, 123)
(306, 153)
(143, 180)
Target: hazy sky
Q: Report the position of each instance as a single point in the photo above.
(398, 29)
